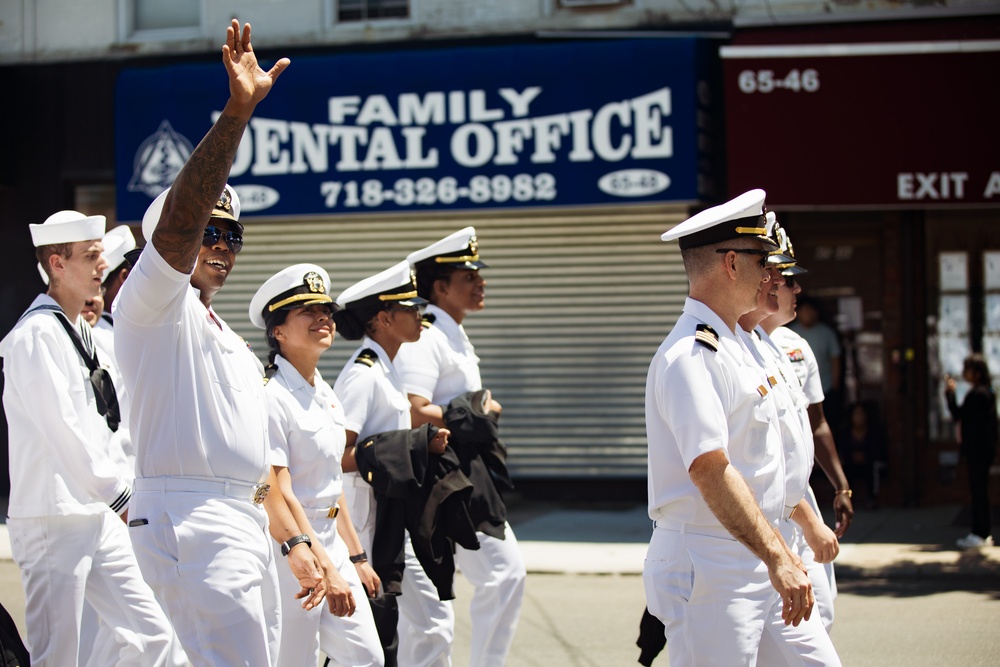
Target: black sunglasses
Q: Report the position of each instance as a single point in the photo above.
(748, 251)
(234, 240)
(790, 282)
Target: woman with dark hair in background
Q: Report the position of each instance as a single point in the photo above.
(977, 417)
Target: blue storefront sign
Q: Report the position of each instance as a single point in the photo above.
(546, 124)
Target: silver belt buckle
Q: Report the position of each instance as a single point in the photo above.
(259, 493)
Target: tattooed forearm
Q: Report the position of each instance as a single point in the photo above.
(194, 193)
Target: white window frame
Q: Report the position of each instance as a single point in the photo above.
(126, 18)
(331, 6)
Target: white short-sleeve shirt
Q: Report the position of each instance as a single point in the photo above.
(442, 364)
(306, 429)
(798, 444)
(373, 396)
(59, 444)
(699, 400)
(803, 360)
(198, 390)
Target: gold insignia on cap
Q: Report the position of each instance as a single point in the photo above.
(225, 202)
(314, 282)
(474, 245)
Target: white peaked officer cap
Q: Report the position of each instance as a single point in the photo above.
(298, 286)
(460, 249)
(394, 285)
(226, 208)
(117, 242)
(67, 227)
(784, 257)
(742, 217)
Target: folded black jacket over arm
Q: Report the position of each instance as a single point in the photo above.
(425, 494)
(475, 438)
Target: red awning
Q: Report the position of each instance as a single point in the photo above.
(845, 121)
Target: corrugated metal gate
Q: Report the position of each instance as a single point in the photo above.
(577, 303)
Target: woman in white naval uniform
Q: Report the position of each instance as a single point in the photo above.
(439, 367)
(306, 431)
(383, 312)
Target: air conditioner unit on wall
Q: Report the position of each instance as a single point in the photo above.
(590, 3)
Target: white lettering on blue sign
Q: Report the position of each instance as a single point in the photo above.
(375, 133)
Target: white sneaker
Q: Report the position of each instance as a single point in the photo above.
(971, 541)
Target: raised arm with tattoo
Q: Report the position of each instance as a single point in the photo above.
(189, 204)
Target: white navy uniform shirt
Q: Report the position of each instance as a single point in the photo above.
(798, 449)
(442, 364)
(59, 444)
(698, 401)
(803, 361)
(203, 409)
(306, 427)
(373, 396)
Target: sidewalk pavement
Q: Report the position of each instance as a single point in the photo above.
(890, 543)
(902, 543)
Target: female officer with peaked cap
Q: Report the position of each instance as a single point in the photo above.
(306, 431)
(438, 368)
(383, 312)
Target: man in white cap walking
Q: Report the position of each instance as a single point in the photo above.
(66, 493)
(716, 566)
(200, 417)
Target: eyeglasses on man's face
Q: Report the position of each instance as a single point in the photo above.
(234, 240)
(748, 251)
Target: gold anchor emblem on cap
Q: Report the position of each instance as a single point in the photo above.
(314, 282)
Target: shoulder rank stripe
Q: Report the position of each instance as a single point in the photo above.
(706, 335)
(366, 357)
(427, 321)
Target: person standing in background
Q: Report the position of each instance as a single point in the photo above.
(825, 344)
(977, 417)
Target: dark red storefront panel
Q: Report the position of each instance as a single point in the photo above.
(891, 125)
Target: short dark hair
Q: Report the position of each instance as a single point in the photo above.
(977, 364)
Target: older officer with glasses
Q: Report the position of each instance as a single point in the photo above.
(716, 565)
(200, 417)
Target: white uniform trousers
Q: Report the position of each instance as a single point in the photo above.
(348, 641)
(716, 602)
(65, 560)
(426, 623)
(498, 573)
(209, 559)
(822, 575)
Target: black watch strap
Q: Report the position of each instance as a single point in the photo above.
(359, 558)
(292, 541)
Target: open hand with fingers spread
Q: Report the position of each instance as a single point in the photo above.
(248, 83)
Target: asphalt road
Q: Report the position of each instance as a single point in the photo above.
(591, 621)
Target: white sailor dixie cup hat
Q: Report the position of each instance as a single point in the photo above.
(394, 285)
(784, 259)
(226, 208)
(742, 217)
(67, 227)
(298, 286)
(117, 242)
(460, 250)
